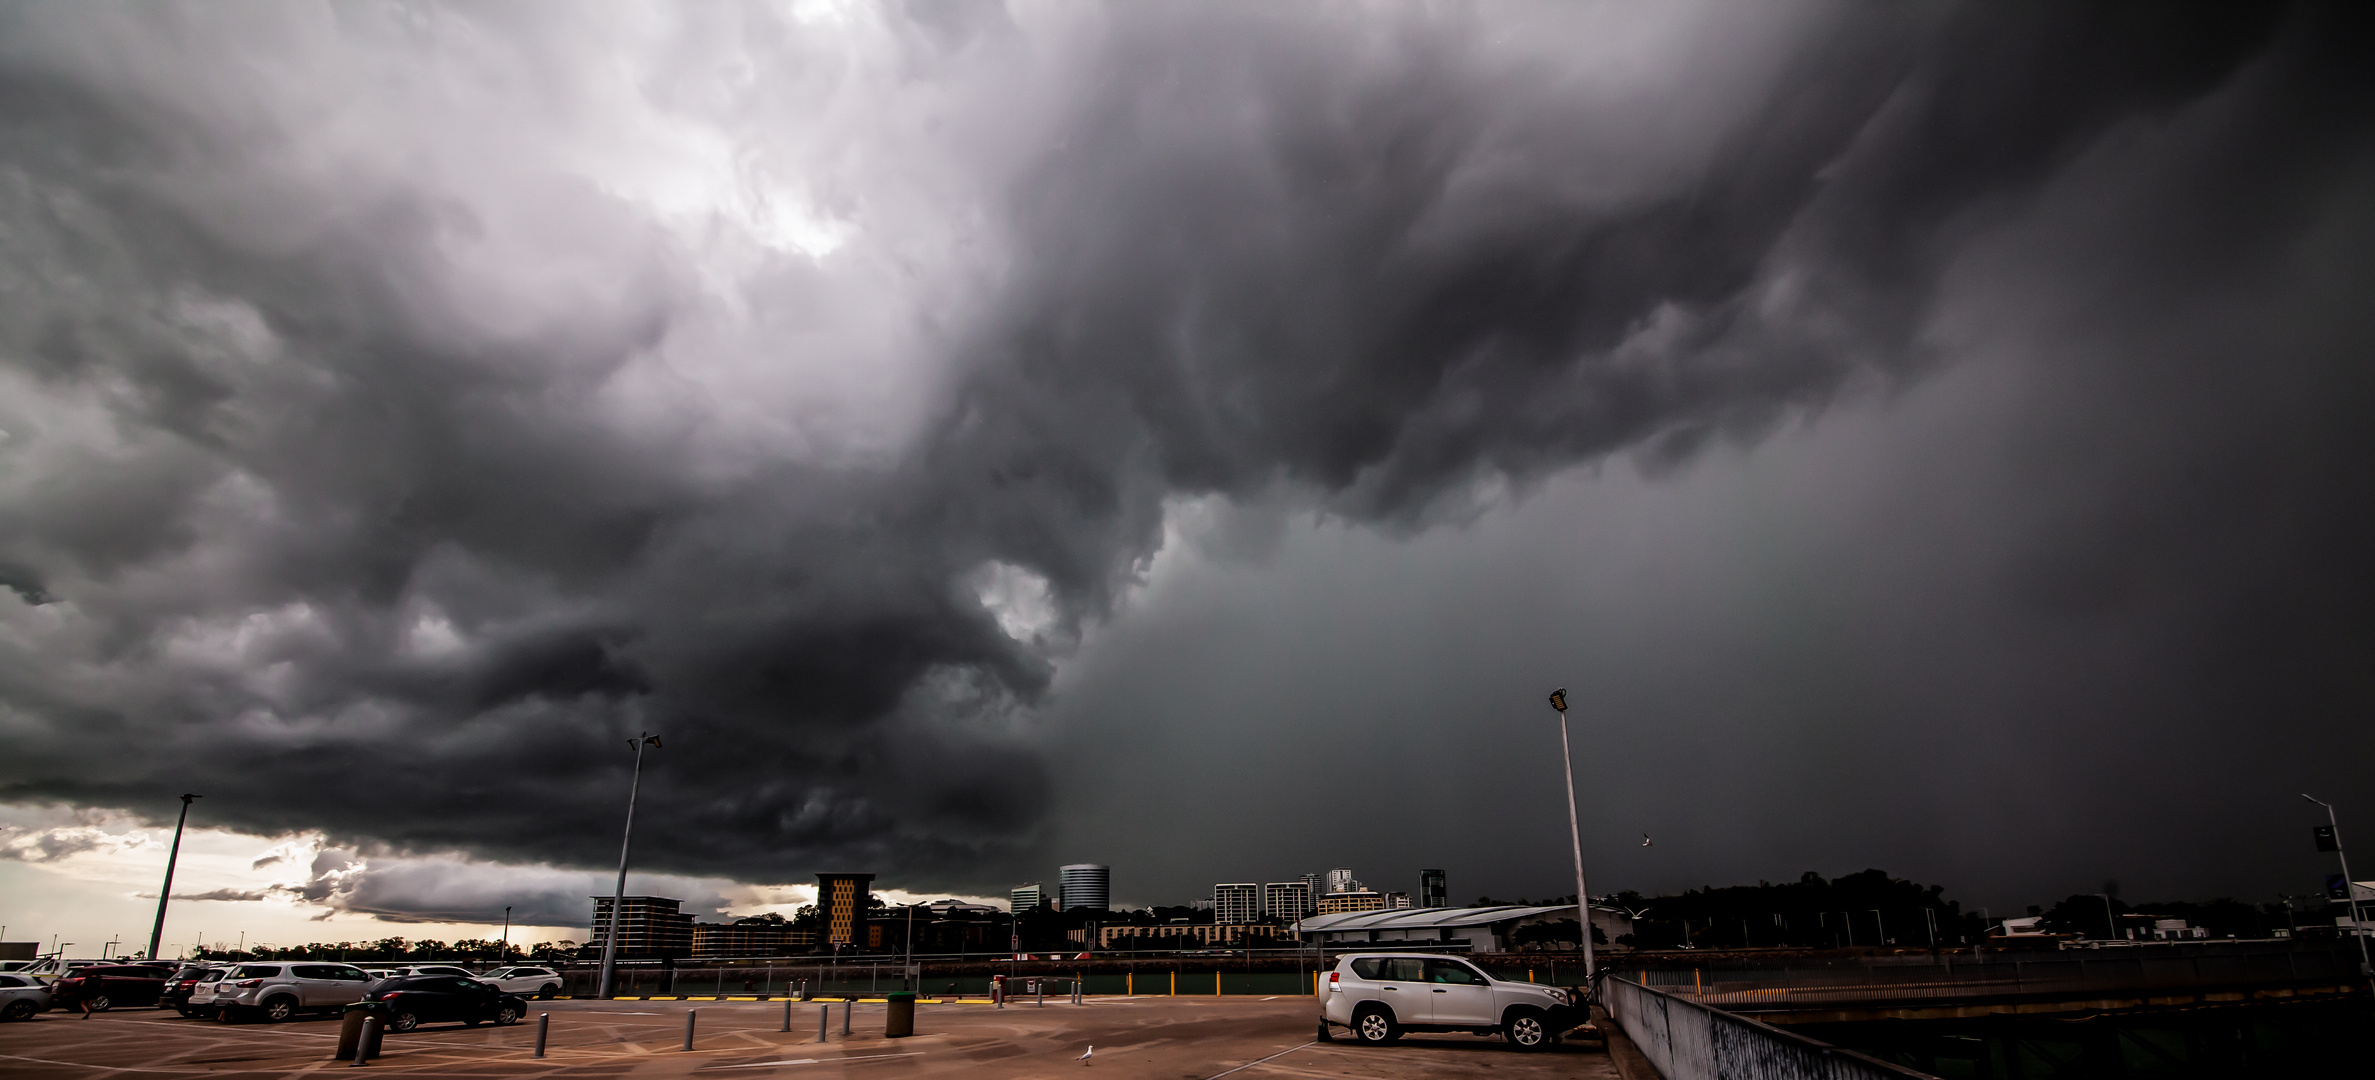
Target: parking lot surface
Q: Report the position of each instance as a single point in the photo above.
(1191, 1038)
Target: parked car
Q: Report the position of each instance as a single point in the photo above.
(190, 991)
(414, 1000)
(106, 986)
(540, 982)
(22, 997)
(1381, 996)
(279, 992)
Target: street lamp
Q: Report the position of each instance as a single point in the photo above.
(2110, 922)
(166, 893)
(2350, 892)
(618, 895)
(1583, 900)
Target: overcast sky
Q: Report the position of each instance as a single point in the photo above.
(1189, 437)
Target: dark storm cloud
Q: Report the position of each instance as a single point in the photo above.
(360, 486)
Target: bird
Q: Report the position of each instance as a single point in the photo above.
(1644, 839)
(1084, 1055)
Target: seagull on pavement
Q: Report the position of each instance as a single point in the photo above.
(1084, 1055)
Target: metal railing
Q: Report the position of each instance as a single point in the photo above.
(1964, 979)
(1685, 1040)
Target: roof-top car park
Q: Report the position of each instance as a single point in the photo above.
(1381, 996)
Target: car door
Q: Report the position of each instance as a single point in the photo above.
(317, 985)
(1401, 984)
(440, 999)
(1459, 995)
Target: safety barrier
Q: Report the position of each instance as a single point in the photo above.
(1685, 1040)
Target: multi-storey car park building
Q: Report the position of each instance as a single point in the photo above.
(1236, 903)
(649, 927)
(1086, 885)
(1288, 900)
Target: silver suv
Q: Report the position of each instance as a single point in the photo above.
(1380, 996)
(278, 992)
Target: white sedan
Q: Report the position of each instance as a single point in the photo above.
(525, 981)
(22, 996)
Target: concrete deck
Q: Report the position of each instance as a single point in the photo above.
(1172, 1038)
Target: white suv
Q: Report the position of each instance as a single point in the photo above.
(280, 991)
(535, 982)
(1380, 996)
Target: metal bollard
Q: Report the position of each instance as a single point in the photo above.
(1039, 991)
(846, 1005)
(544, 1026)
(363, 1045)
(823, 1012)
(688, 1027)
(787, 1014)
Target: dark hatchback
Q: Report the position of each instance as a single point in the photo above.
(413, 1000)
(195, 980)
(106, 986)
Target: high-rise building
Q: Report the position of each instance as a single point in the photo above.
(1288, 900)
(1024, 898)
(649, 927)
(1340, 880)
(1316, 886)
(1086, 885)
(1236, 903)
(1397, 900)
(841, 902)
(1433, 888)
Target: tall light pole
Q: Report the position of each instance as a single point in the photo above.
(1583, 900)
(157, 935)
(2350, 890)
(618, 895)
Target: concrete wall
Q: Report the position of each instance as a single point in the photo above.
(1685, 1040)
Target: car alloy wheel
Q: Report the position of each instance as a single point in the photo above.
(1374, 1027)
(279, 1009)
(403, 1021)
(20, 1009)
(1526, 1030)
(548, 991)
(506, 1015)
(102, 1003)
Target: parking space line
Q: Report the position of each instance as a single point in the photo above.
(1251, 1064)
(816, 1061)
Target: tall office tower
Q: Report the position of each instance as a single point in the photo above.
(841, 906)
(1085, 885)
(1316, 885)
(1236, 903)
(1340, 880)
(1287, 900)
(1024, 898)
(1433, 889)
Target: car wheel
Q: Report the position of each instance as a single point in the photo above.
(548, 991)
(506, 1016)
(1527, 1030)
(404, 1020)
(1375, 1027)
(278, 1009)
(20, 1009)
(102, 1003)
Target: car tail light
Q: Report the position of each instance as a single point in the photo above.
(248, 983)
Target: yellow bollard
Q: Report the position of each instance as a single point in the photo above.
(1216, 984)
(1130, 982)
(1174, 984)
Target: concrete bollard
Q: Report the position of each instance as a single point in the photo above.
(544, 1026)
(363, 1045)
(787, 1015)
(846, 1005)
(688, 1027)
(823, 1014)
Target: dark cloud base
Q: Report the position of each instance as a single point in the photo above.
(1247, 260)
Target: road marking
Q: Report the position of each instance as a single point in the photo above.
(1251, 1064)
(817, 1061)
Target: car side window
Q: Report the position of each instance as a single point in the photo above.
(11, 980)
(1402, 969)
(1452, 971)
(315, 971)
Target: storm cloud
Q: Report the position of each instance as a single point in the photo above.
(406, 404)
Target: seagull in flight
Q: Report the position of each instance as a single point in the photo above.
(1644, 839)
